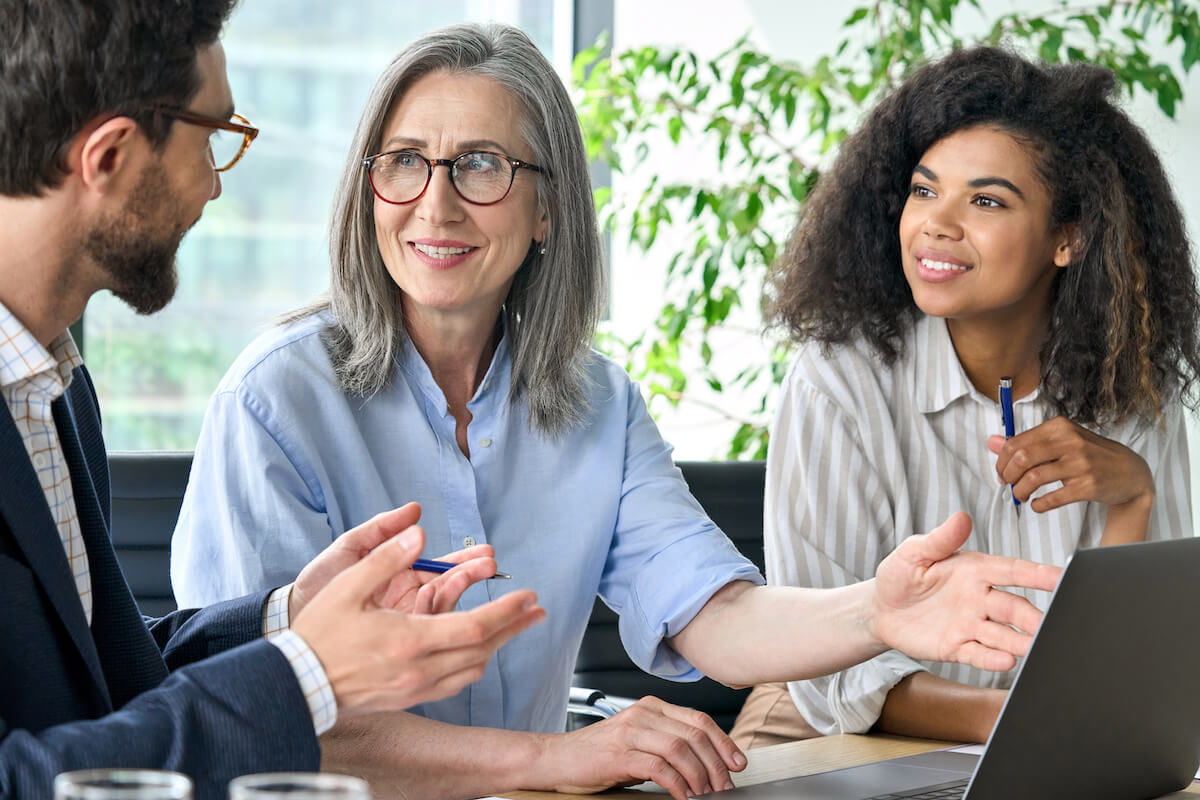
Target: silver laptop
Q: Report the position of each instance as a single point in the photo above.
(1106, 705)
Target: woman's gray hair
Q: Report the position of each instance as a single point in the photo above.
(556, 298)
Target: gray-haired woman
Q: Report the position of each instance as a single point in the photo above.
(452, 366)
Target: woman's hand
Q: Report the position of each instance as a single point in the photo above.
(680, 749)
(1090, 467)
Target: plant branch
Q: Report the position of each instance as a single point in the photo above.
(678, 397)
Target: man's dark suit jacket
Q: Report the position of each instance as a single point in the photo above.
(121, 693)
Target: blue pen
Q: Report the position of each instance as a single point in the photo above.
(1010, 426)
(429, 565)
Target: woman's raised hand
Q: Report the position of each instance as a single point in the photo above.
(1090, 468)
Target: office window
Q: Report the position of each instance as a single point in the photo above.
(301, 71)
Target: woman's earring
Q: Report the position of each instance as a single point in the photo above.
(541, 248)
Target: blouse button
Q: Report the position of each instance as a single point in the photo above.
(485, 442)
(468, 541)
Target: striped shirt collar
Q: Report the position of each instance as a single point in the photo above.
(22, 356)
(940, 377)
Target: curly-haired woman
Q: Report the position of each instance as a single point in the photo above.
(993, 217)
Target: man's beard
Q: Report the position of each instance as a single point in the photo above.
(136, 247)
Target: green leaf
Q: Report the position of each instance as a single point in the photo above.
(859, 14)
(674, 128)
(1090, 21)
(1049, 50)
(789, 108)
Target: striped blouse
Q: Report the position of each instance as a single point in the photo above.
(863, 455)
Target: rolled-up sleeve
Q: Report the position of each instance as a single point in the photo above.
(667, 557)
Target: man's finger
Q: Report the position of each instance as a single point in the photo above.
(491, 624)
(467, 553)
(380, 528)
(425, 602)
(532, 615)
(441, 595)
(445, 593)
(374, 572)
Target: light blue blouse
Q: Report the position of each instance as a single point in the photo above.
(286, 462)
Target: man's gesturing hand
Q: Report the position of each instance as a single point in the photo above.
(937, 604)
(381, 659)
(409, 590)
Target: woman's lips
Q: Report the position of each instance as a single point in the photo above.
(936, 270)
(442, 256)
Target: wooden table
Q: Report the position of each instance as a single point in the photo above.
(804, 758)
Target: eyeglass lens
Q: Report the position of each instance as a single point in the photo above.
(480, 177)
(226, 146)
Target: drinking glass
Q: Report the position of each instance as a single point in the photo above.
(122, 784)
(298, 786)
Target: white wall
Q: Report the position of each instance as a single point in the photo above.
(801, 32)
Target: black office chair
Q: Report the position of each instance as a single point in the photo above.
(147, 491)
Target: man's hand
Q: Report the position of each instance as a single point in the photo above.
(937, 604)
(409, 590)
(680, 749)
(381, 659)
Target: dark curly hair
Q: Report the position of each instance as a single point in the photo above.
(65, 62)
(1123, 320)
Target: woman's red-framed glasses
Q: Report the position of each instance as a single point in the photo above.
(480, 177)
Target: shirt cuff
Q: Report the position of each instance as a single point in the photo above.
(311, 675)
(275, 612)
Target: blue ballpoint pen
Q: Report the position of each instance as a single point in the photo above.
(429, 565)
(1010, 427)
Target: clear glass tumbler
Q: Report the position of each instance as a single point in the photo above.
(298, 786)
(122, 784)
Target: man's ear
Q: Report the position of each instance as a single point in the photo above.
(1068, 247)
(103, 153)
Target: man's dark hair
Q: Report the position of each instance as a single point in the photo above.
(1123, 326)
(66, 62)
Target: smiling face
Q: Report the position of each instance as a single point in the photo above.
(449, 256)
(975, 232)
